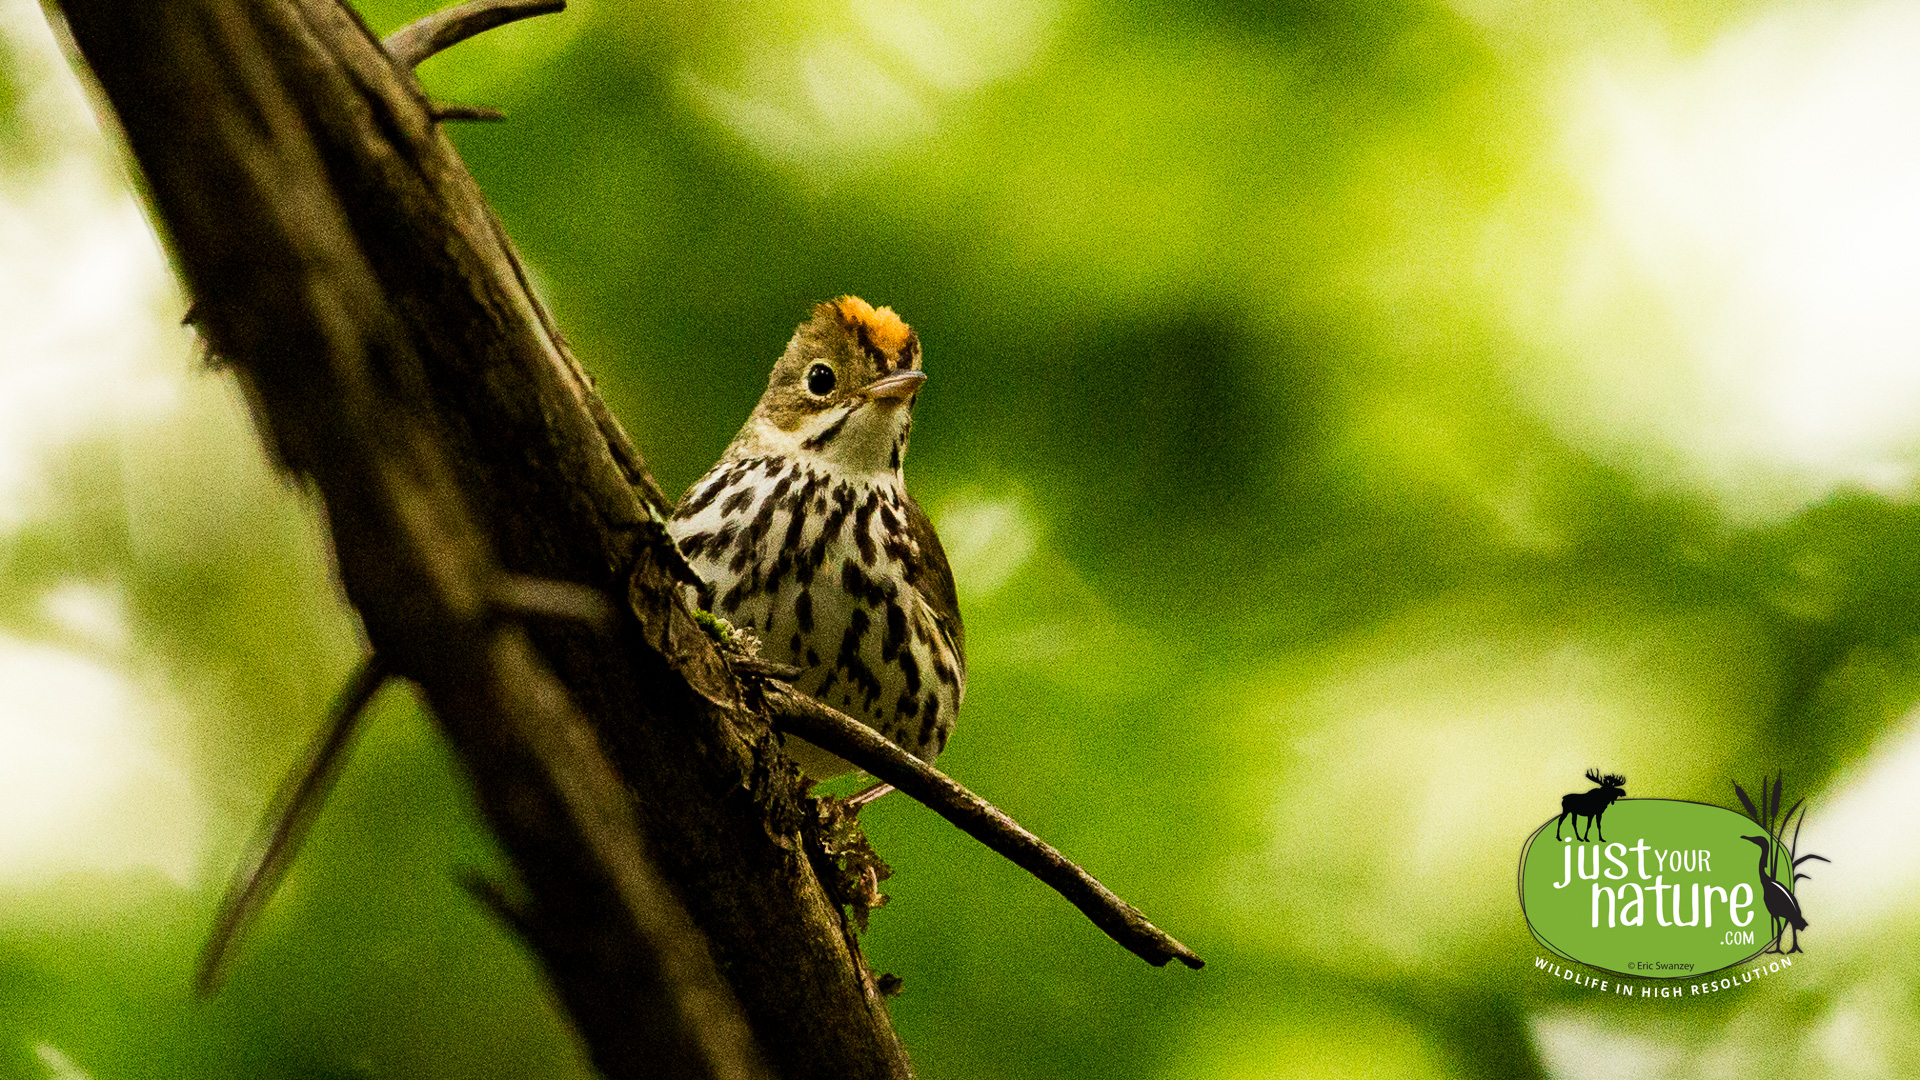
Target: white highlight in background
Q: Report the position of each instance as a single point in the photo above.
(1737, 313)
(846, 85)
(1866, 828)
(986, 540)
(59, 1066)
(86, 347)
(84, 783)
(82, 282)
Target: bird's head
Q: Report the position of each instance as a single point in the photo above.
(843, 392)
(1765, 844)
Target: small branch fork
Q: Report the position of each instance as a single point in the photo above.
(285, 827)
(446, 28)
(797, 714)
(435, 33)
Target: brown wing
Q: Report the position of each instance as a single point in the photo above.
(931, 575)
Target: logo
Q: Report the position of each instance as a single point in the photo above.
(1683, 889)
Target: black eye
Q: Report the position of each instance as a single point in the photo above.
(820, 380)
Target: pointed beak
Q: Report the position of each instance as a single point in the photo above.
(898, 386)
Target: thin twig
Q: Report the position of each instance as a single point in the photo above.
(872, 795)
(511, 913)
(861, 745)
(526, 596)
(444, 29)
(446, 111)
(283, 829)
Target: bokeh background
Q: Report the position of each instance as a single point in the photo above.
(1349, 422)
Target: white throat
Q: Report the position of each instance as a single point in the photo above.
(860, 438)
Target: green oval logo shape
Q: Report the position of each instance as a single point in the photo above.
(1677, 890)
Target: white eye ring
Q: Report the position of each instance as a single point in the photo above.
(820, 380)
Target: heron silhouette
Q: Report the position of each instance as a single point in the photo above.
(1780, 903)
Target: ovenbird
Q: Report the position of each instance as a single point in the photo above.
(804, 533)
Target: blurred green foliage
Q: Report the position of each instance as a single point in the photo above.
(1293, 609)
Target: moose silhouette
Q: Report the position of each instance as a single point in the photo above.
(1591, 804)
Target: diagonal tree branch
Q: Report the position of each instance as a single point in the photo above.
(342, 262)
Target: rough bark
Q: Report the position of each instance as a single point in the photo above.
(342, 261)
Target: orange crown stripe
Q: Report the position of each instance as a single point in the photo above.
(884, 328)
